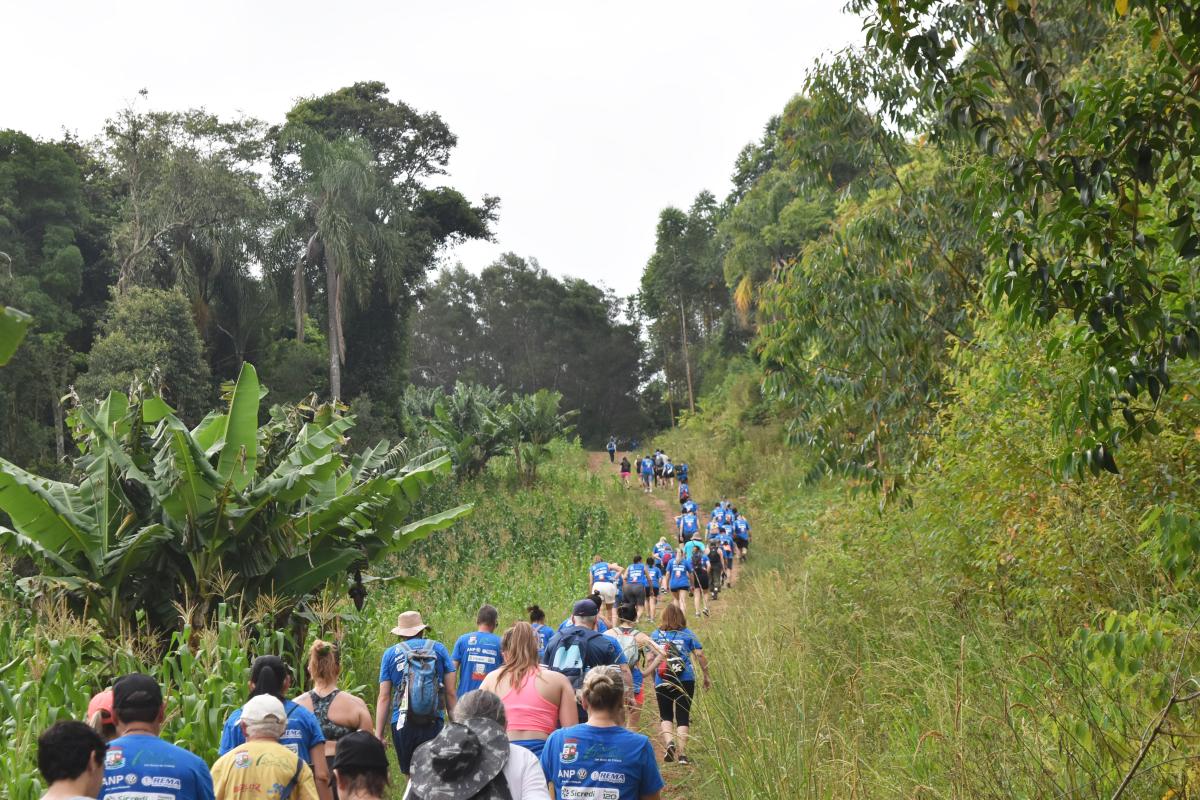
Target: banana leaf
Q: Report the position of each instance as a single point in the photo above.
(13, 325)
(239, 453)
(307, 573)
(44, 512)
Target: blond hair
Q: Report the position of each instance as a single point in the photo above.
(323, 661)
(519, 645)
(604, 688)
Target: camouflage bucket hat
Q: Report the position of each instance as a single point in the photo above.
(461, 762)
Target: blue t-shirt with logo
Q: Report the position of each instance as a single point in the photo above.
(689, 525)
(636, 574)
(689, 507)
(647, 466)
(476, 654)
(143, 767)
(395, 661)
(678, 574)
(544, 633)
(742, 528)
(593, 763)
(598, 572)
(682, 471)
(686, 643)
(661, 550)
(655, 574)
(302, 734)
(683, 489)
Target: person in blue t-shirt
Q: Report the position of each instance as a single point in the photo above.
(654, 577)
(675, 681)
(637, 585)
(408, 731)
(688, 507)
(688, 526)
(303, 736)
(662, 550)
(476, 654)
(611, 447)
(600, 758)
(580, 647)
(537, 620)
(684, 492)
(646, 470)
(682, 472)
(138, 763)
(680, 578)
(741, 534)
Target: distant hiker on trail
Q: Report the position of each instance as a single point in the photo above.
(698, 557)
(688, 527)
(611, 447)
(626, 467)
(138, 757)
(537, 620)
(675, 680)
(419, 673)
(302, 735)
(680, 578)
(685, 492)
(633, 644)
(716, 568)
(668, 472)
(604, 582)
(663, 551)
(70, 756)
(537, 700)
(654, 574)
(741, 534)
(578, 648)
(681, 472)
(601, 759)
(647, 473)
(637, 584)
(261, 768)
(659, 459)
(338, 713)
(476, 654)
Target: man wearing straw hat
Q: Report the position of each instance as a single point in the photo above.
(416, 688)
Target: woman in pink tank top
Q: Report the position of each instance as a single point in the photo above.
(536, 700)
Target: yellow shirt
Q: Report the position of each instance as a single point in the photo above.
(259, 770)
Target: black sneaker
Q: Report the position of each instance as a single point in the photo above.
(669, 756)
(684, 761)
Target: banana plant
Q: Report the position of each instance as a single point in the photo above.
(471, 425)
(13, 324)
(534, 422)
(166, 516)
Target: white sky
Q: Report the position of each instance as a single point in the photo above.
(584, 118)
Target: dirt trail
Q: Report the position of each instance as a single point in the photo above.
(682, 782)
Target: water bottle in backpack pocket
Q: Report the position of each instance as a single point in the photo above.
(675, 664)
(420, 696)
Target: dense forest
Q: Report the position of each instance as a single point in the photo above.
(177, 245)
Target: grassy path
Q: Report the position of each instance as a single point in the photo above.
(698, 780)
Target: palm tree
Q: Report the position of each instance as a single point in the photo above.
(338, 187)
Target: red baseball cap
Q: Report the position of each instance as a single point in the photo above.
(102, 704)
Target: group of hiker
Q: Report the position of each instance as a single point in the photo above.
(534, 712)
(654, 470)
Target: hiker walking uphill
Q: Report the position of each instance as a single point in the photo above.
(675, 680)
(261, 768)
(579, 647)
(416, 687)
(611, 447)
(476, 654)
(338, 713)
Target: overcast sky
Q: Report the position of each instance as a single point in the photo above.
(584, 118)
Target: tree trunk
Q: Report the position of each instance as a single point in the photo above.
(687, 361)
(332, 285)
(60, 450)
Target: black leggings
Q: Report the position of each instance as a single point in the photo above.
(675, 700)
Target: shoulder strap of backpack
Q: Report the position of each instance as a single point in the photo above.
(287, 790)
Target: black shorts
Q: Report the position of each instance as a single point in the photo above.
(409, 738)
(675, 700)
(635, 593)
(742, 544)
(702, 577)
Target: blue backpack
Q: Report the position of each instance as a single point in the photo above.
(422, 684)
(571, 657)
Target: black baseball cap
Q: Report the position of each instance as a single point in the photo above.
(136, 690)
(585, 608)
(360, 751)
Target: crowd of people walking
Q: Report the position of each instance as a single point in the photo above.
(535, 712)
